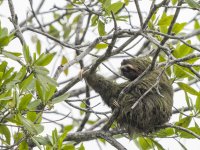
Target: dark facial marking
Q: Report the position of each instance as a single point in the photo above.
(129, 72)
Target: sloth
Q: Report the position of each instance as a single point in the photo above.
(154, 109)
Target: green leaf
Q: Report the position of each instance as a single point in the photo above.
(11, 82)
(34, 56)
(45, 86)
(187, 88)
(63, 136)
(26, 54)
(44, 59)
(55, 136)
(101, 28)
(17, 136)
(7, 98)
(165, 132)
(42, 140)
(38, 47)
(1, 75)
(126, 2)
(53, 31)
(67, 30)
(184, 122)
(187, 99)
(163, 29)
(45, 80)
(5, 132)
(36, 143)
(178, 27)
(192, 61)
(21, 74)
(3, 66)
(64, 61)
(56, 15)
(7, 74)
(24, 84)
(68, 147)
(103, 141)
(188, 135)
(76, 19)
(41, 70)
(122, 18)
(101, 46)
(32, 116)
(14, 53)
(23, 146)
(24, 101)
(82, 105)
(198, 103)
(165, 20)
(182, 72)
(14, 102)
(106, 3)
(39, 128)
(115, 7)
(33, 105)
(145, 143)
(9, 77)
(49, 92)
(60, 98)
(192, 3)
(94, 20)
(28, 125)
(81, 147)
(10, 55)
(3, 32)
(182, 50)
(39, 90)
(174, 2)
(197, 27)
(4, 41)
(158, 145)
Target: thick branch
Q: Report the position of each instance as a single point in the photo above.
(90, 135)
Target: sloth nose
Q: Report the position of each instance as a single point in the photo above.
(125, 68)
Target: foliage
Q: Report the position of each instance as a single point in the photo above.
(41, 74)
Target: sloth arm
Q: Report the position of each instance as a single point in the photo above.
(108, 89)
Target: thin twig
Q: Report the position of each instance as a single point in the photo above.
(14, 20)
(139, 12)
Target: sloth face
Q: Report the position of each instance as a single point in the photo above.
(132, 68)
(128, 70)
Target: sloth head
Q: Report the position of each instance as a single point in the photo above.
(132, 68)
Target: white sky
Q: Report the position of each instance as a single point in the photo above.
(21, 7)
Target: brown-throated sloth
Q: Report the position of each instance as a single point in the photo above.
(153, 110)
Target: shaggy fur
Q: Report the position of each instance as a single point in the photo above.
(154, 109)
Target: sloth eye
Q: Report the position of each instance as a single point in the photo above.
(127, 68)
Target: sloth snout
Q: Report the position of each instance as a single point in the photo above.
(126, 68)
